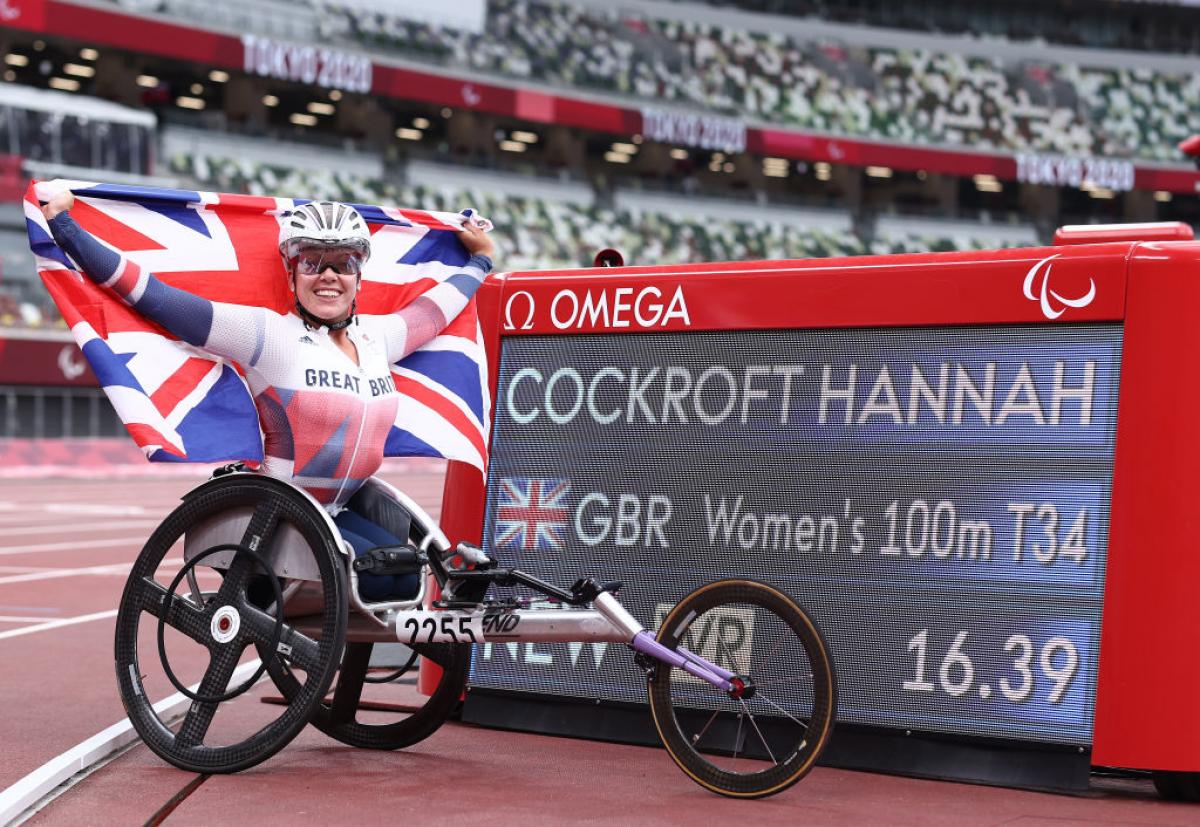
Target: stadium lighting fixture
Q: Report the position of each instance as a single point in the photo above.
(524, 137)
(987, 183)
(66, 84)
(409, 134)
(301, 119)
(679, 154)
(513, 146)
(321, 108)
(79, 70)
(626, 149)
(218, 76)
(270, 100)
(335, 94)
(187, 102)
(1162, 196)
(879, 172)
(88, 53)
(421, 123)
(15, 59)
(148, 81)
(775, 167)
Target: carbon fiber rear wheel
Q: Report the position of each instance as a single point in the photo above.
(212, 629)
(764, 735)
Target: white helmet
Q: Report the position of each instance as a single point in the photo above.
(325, 223)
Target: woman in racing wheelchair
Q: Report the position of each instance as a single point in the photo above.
(320, 375)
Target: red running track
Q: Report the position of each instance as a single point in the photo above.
(65, 547)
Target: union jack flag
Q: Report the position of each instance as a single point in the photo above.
(181, 404)
(531, 513)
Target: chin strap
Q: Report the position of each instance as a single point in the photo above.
(315, 321)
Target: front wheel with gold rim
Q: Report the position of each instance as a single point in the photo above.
(766, 733)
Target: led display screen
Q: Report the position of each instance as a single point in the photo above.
(937, 498)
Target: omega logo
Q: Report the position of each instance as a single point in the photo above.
(612, 307)
(618, 307)
(514, 305)
(1043, 295)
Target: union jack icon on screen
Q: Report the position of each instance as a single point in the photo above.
(181, 404)
(531, 513)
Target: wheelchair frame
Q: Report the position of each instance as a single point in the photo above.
(237, 523)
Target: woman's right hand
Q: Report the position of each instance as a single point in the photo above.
(61, 202)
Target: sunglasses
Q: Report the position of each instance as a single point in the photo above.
(314, 262)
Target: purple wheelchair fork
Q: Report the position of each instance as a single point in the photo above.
(689, 662)
(644, 642)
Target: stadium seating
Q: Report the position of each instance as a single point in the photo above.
(541, 233)
(926, 95)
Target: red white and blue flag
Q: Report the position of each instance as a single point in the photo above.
(182, 404)
(531, 513)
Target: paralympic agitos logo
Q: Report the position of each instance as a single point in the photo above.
(1053, 304)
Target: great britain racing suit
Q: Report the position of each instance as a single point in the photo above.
(324, 418)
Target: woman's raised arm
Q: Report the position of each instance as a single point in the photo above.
(427, 315)
(230, 330)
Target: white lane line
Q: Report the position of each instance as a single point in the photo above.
(59, 528)
(56, 624)
(38, 518)
(52, 574)
(19, 619)
(76, 508)
(29, 791)
(95, 508)
(134, 542)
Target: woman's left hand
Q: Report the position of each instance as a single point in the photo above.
(59, 203)
(476, 240)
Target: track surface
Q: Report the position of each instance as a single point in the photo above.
(65, 548)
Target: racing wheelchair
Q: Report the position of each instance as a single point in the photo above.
(280, 597)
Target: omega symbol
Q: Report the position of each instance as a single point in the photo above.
(509, 324)
(1043, 295)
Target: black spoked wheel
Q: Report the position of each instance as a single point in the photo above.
(766, 734)
(1177, 786)
(385, 715)
(211, 632)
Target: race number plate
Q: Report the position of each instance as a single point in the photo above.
(422, 626)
